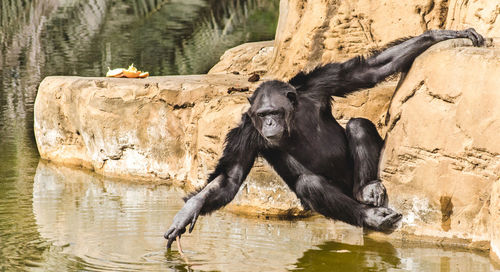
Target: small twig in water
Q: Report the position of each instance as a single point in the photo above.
(179, 247)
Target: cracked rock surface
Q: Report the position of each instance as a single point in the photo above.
(310, 33)
(441, 160)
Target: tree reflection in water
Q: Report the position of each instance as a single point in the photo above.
(39, 38)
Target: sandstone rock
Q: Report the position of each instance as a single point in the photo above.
(245, 59)
(441, 158)
(495, 221)
(163, 128)
(125, 127)
(314, 32)
(167, 128)
(371, 104)
(483, 15)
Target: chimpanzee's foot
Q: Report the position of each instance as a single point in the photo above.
(381, 219)
(373, 194)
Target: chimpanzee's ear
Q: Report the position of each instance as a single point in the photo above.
(292, 96)
(250, 100)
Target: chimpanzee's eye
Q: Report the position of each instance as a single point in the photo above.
(276, 112)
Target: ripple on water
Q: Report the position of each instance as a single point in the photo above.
(106, 225)
(97, 224)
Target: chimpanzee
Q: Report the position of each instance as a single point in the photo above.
(332, 170)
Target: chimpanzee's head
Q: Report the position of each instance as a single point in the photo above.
(272, 108)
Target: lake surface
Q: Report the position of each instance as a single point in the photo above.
(55, 218)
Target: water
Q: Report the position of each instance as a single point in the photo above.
(75, 220)
(54, 218)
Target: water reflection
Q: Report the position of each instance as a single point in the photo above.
(376, 255)
(39, 38)
(84, 37)
(88, 222)
(372, 255)
(99, 223)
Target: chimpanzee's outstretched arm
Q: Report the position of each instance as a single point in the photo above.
(399, 57)
(339, 79)
(242, 145)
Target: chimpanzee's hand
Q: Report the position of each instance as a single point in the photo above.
(476, 38)
(373, 194)
(381, 219)
(187, 215)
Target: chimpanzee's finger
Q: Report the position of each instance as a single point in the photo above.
(473, 38)
(171, 239)
(195, 217)
(479, 37)
(382, 199)
(168, 232)
(391, 219)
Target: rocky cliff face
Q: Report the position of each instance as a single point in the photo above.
(245, 59)
(441, 159)
(314, 32)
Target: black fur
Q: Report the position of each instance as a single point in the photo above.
(332, 170)
(241, 145)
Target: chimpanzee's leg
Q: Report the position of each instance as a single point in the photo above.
(365, 145)
(325, 198)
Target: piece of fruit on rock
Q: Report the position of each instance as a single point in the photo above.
(131, 72)
(118, 72)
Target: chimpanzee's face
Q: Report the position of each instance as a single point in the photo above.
(271, 110)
